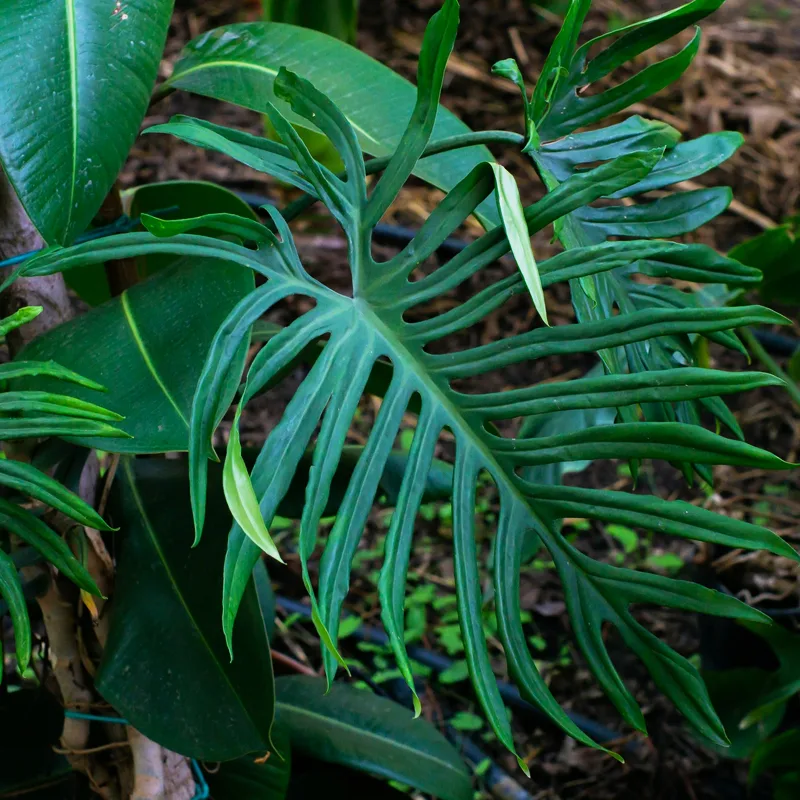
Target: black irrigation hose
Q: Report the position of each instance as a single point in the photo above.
(777, 343)
(401, 236)
(497, 781)
(439, 663)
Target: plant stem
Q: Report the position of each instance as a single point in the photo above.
(758, 350)
(148, 761)
(297, 207)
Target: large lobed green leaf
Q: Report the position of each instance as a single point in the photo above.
(371, 328)
(560, 106)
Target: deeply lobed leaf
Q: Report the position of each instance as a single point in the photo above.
(640, 337)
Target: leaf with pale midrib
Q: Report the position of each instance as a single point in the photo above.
(356, 729)
(238, 63)
(148, 348)
(76, 86)
(166, 657)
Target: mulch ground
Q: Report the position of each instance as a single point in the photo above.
(746, 78)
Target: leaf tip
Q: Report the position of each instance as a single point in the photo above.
(227, 629)
(615, 756)
(788, 551)
(417, 704)
(23, 659)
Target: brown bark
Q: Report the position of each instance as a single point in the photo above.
(18, 235)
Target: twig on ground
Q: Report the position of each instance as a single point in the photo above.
(288, 661)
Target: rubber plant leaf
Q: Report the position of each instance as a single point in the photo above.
(88, 69)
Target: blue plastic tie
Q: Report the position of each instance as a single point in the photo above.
(95, 718)
(201, 790)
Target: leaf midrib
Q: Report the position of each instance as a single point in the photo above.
(148, 361)
(72, 46)
(129, 474)
(454, 413)
(334, 722)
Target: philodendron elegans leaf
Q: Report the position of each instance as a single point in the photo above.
(389, 337)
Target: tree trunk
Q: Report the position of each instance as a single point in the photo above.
(17, 235)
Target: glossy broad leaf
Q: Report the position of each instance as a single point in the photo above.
(148, 347)
(179, 200)
(86, 70)
(167, 199)
(166, 657)
(238, 63)
(356, 729)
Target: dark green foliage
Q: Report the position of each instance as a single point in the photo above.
(642, 331)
